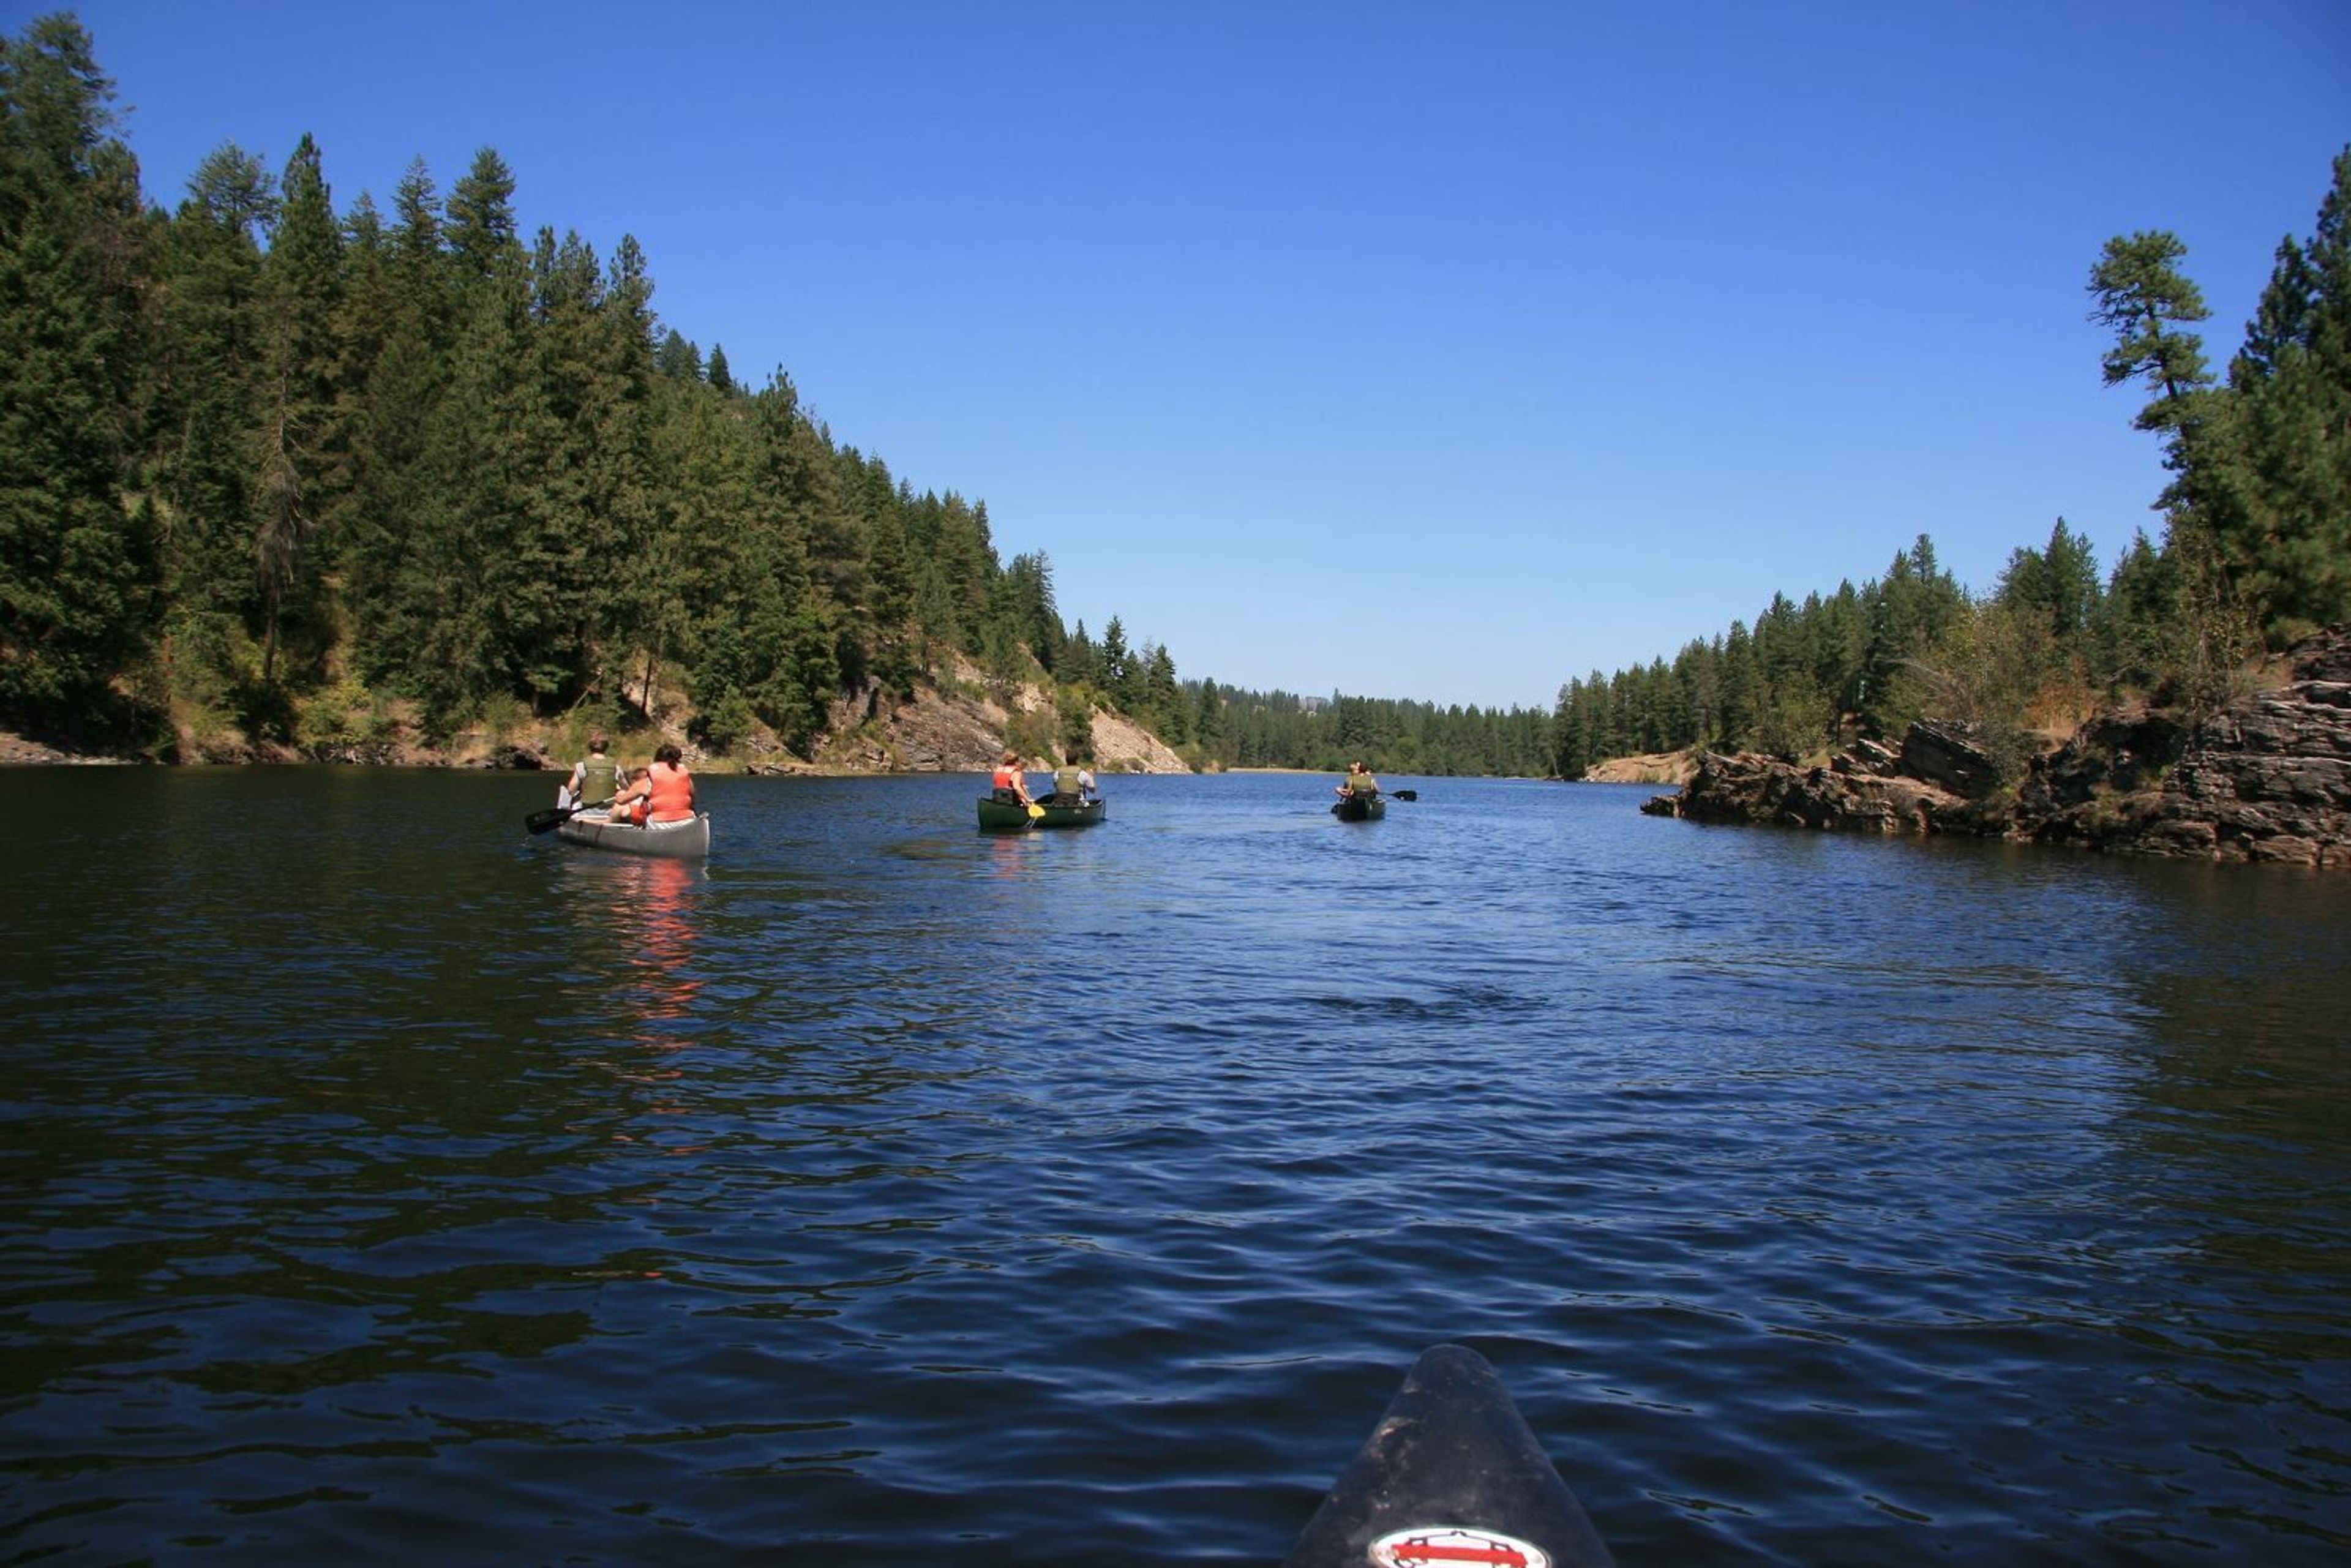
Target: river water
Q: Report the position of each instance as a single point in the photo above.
(384, 1185)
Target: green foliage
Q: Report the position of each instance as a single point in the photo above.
(336, 715)
(1032, 732)
(1020, 602)
(1075, 708)
(1080, 661)
(472, 472)
(724, 723)
(2142, 297)
(77, 571)
(2263, 499)
(1164, 705)
(1116, 664)
(1794, 722)
(2055, 590)
(1240, 729)
(2277, 501)
(1790, 687)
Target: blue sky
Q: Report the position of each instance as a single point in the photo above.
(1410, 350)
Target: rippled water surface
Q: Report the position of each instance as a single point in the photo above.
(384, 1185)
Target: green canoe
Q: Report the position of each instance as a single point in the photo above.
(997, 816)
(1360, 808)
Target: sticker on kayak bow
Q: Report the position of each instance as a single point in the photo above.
(1443, 1546)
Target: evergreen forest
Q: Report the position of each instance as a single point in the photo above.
(2255, 553)
(296, 472)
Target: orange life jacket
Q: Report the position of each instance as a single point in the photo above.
(672, 793)
(1006, 777)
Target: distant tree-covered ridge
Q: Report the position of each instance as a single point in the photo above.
(2256, 552)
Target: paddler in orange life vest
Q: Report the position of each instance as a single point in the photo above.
(662, 792)
(1010, 785)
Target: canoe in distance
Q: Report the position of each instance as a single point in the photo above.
(1452, 1475)
(687, 840)
(1360, 808)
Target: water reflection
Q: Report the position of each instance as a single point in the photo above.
(1013, 854)
(646, 987)
(658, 930)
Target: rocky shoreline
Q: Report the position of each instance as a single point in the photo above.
(934, 732)
(2267, 777)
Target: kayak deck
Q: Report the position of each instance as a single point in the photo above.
(1452, 1474)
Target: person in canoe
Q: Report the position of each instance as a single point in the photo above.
(1074, 783)
(663, 793)
(1010, 784)
(1358, 781)
(595, 777)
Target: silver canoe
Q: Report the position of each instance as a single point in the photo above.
(687, 840)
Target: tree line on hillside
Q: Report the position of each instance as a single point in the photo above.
(273, 468)
(1228, 726)
(268, 466)
(2256, 553)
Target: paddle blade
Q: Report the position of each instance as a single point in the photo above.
(540, 821)
(1036, 812)
(1406, 794)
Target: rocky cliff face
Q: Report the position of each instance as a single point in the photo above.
(942, 732)
(2266, 779)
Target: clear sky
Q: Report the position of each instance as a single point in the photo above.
(1440, 351)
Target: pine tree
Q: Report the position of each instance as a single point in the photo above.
(1115, 661)
(77, 570)
(1082, 661)
(2136, 633)
(1697, 671)
(300, 462)
(2278, 503)
(470, 584)
(1908, 610)
(1163, 698)
(677, 359)
(1742, 687)
(397, 325)
(214, 347)
(2144, 300)
(1209, 727)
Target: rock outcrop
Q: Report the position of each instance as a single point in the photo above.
(1842, 795)
(1121, 746)
(1657, 768)
(2268, 778)
(948, 731)
(1947, 756)
(18, 749)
